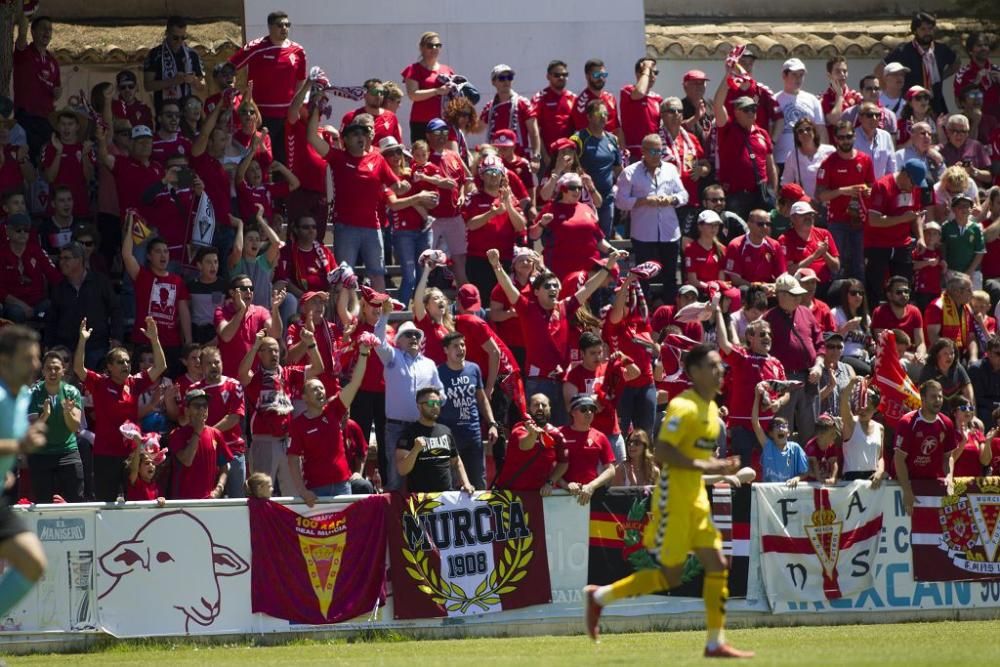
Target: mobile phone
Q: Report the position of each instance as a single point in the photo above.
(185, 178)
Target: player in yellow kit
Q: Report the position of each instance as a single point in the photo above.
(681, 518)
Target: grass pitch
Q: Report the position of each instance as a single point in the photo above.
(910, 644)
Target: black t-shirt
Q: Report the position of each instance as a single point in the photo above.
(432, 471)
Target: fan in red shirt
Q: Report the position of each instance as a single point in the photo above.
(604, 379)
(838, 96)
(251, 135)
(666, 315)
(627, 331)
(317, 456)
(925, 440)
(898, 313)
(206, 160)
(597, 78)
(423, 87)
(536, 455)
(158, 293)
(308, 165)
(224, 75)
(640, 107)
(570, 231)
(115, 398)
(591, 459)
(821, 311)
(554, 106)
(201, 451)
(807, 246)
(26, 271)
(824, 453)
(134, 173)
(509, 111)
(704, 258)
(981, 73)
(305, 263)
(326, 336)
(69, 160)
(524, 267)
(493, 219)
(386, 123)
(253, 190)
(745, 153)
(976, 448)
(755, 257)
(238, 320)
(950, 316)
(37, 82)
(128, 106)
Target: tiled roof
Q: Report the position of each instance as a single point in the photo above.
(871, 39)
(128, 44)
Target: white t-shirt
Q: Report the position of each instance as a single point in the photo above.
(803, 170)
(794, 107)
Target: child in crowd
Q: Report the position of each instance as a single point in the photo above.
(260, 486)
(981, 310)
(423, 171)
(962, 238)
(823, 451)
(782, 460)
(928, 267)
(208, 291)
(143, 466)
(753, 308)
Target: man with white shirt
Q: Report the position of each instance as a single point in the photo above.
(652, 190)
(893, 77)
(796, 104)
(874, 142)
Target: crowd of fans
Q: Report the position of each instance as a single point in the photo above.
(197, 325)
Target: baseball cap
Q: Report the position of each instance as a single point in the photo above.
(791, 192)
(560, 144)
(748, 52)
(688, 289)
(19, 220)
(436, 124)
(308, 296)
(468, 297)
(504, 138)
(355, 126)
(695, 75)
(743, 102)
(195, 395)
(805, 274)
(793, 65)
(917, 171)
(140, 131)
(491, 163)
(916, 90)
(959, 198)
(932, 225)
(802, 208)
(787, 283)
(895, 68)
(832, 335)
(709, 217)
(125, 76)
(500, 69)
(582, 401)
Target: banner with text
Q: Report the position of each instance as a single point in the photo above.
(452, 554)
(956, 537)
(817, 542)
(323, 568)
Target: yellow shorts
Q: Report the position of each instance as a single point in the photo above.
(680, 523)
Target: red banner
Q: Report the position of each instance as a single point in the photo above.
(956, 537)
(899, 394)
(317, 569)
(456, 555)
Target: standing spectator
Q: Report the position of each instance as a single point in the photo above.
(134, 172)
(874, 142)
(224, 75)
(807, 246)
(169, 140)
(639, 467)
(172, 70)
(962, 149)
(713, 198)
(326, 335)
(553, 107)
(537, 456)
(893, 78)
(57, 230)
(127, 105)
(651, 190)
(842, 181)
(768, 109)
(628, 334)
(601, 159)
(803, 163)
(460, 115)
(116, 399)
(838, 96)
(16, 171)
(925, 442)
(207, 155)
(683, 150)
(591, 460)
(317, 456)
(251, 257)
(201, 451)
(68, 159)
(798, 346)
(895, 219)
(83, 294)
(596, 75)
(781, 459)
(962, 238)
(699, 114)
(386, 123)
(836, 373)
(426, 454)
(640, 107)
(926, 62)
(985, 377)
(449, 225)
(191, 116)
(503, 315)
(423, 87)
(250, 136)
(944, 367)
(862, 435)
(918, 110)
(26, 273)
(509, 111)
(493, 220)
(37, 80)
(277, 67)
(253, 190)
(980, 73)
(207, 293)
(755, 257)
(981, 124)
(795, 104)
(571, 235)
(950, 316)
(308, 166)
(57, 467)
(239, 319)
(665, 316)
(898, 313)
(871, 91)
(305, 264)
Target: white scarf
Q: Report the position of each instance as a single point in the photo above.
(515, 125)
(168, 70)
(931, 73)
(681, 156)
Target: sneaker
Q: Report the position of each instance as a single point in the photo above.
(591, 612)
(726, 651)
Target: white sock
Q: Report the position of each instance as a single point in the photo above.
(716, 638)
(601, 595)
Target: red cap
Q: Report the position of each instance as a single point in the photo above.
(307, 296)
(504, 138)
(792, 192)
(468, 297)
(695, 75)
(372, 297)
(560, 144)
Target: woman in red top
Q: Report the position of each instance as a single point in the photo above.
(493, 219)
(525, 266)
(566, 160)
(626, 330)
(432, 315)
(704, 257)
(249, 131)
(570, 231)
(305, 263)
(975, 450)
(422, 85)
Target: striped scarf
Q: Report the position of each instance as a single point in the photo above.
(515, 102)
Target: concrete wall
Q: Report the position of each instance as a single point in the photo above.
(812, 9)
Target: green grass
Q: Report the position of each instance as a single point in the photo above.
(910, 644)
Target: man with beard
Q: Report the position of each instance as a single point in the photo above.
(168, 140)
(427, 455)
(553, 107)
(713, 198)
(929, 63)
(980, 73)
(925, 442)
(898, 313)
(597, 78)
(37, 83)
(128, 106)
(386, 123)
(536, 455)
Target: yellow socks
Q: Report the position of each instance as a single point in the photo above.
(715, 591)
(642, 582)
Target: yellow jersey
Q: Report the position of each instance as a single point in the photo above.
(691, 425)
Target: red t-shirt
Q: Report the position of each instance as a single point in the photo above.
(233, 350)
(374, 377)
(159, 297)
(745, 371)
(276, 71)
(498, 232)
(217, 183)
(303, 160)
(638, 117)
(409, 219)
(320, 443)
(510, 329)
(589, 382)
(823, 315)
(224, 399)
(663, 317)
(968, 464)
(884, 318)
(927, 279)
(546, 335)
(586, 450)
(737, 162)
(166, 148)
(579, 115)
(477, 332)
(386, 124)
(553, 110)
(502, 120)
(172, 214)
(434, 334)
(432, 107)
(706, 265)
(528, 470)
(990, 266)
(359, 182)
(890, 201)
(132, 179)
(355, 445)
(573, 240)
(450, 165)
(26, 277)
(926, 444)
(959, 331)
(71, 174)
(838, 172)
(327, 337)
(826, 458)
(308, 269)
(36, 76)
(755, 264)
(143, 490)
(796, 249)
(264, 155)
(197, 481)
(136, 113)
(264, 194)
(269, 396)
(622, 337)
(114, 404)
(828, 98)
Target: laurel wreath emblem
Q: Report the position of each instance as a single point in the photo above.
(510, 569)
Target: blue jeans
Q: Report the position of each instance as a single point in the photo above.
(237, 477)
(408, 246)
(606, 214)
(334, 489)
(637, 409)
(474, 461)
(618, 446)
(850, 243)
(350, 243)
(224, 240)
(553, 390)
(393, 432)
(742, 443)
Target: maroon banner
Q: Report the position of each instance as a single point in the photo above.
(956, 537)
(455, 555)
(317, 569)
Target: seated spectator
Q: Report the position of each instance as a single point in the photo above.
(985, 377)
(427, 454)
(781, 459)
(805, 159)
(26, 273)
(207, 292)
(68, 159)
(861, 434)
(943, 367)
(925, 444)
(821, 311)
(962, 238)
(836, 374)
(666, 316)
(823, 452)
(704, 258)
(898, 313)
(591, 460)
(929, 267)
(639, 467)
(972, 454)
(854, 324)
(202, 453)
(755, 257)
(950, 316)
(961, 149)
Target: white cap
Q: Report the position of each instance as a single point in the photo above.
(141, 131)
(786, 282)
(793, 65)
(500, 69)
(802, 208)
(932, 225)
(895, 68)
(709, 217)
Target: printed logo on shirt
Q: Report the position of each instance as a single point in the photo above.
(163, 301)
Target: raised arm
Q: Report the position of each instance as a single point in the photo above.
(350, 390)
(758, 392)
(159, 358)
(79, 366)
(312, 134)
(246, 366)
(128, 245)
(506, 284)
(596, 280)
(201, 143)
(719, 101)
(418, 294)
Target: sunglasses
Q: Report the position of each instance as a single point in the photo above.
(284, 24)
(376, 91)
(856, 292)
(439, 132)
(655, 151)
(750, 109)
(922, 98)
(560, 75)
(245, 288)
(902, 292)
(673, 111)
(598, 75)
(574, 188)
(412, 334)
(587, 409)
(656, 72)
(958, 130)
(715, 199)
(505, 77)
(435, 45)
(965, 408)
(835, 347)
(433, 403)
(763, 224)
(845, 137)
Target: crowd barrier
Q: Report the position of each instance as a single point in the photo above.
(137, 570)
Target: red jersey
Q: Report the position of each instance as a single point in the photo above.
(546, 335)
(884, 318)
(432, 107)
(308, 165)
(269, 396)
(250, 196)
(264, 155)
(477, 332)
(308, 269)
(755, 263)
(624, 337)
(553, 110)
(198, 480)
(327, 338)
(386, 124)
(143, 490)
(956, 325)
(374, 377)
(828, 98)
(497, 116)
(638, 117)
(163, 149)
(434, 334)
(823, 315)
(826, 458)
(796, 249)
(838, 172)
(217, 183)
(159, 297)
(71, 174)
(682, 151)
(585, 449)
(26, 277)
(926, 444)
(768, 109)
(355, 445)
(276, 71)
(450, 165)
(132, 179)
(114, 404)
(742, 157)
(589, 382)
(579, 114)
(574, 238)
(172, 214)
(36, 76)
(409, 219)
(706, 265)
(320, 443)
(968, 464)
(360, 181)
(745, 371)
(224, 399)
(890, 201)
(498, 232)
(981, 76)
(529, 469)
(990, 266)
(213, 100)
(510, 329)
(135, 113)
(663, 317)
(927, 279)
(232, 351)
